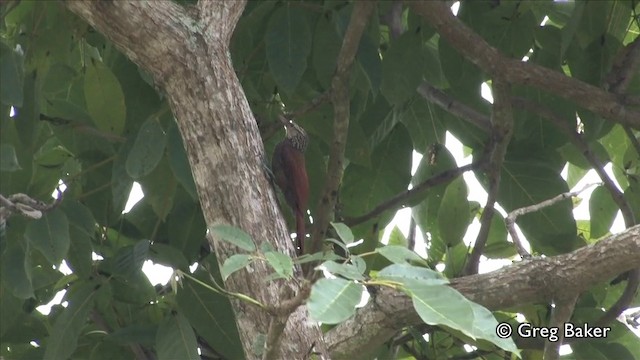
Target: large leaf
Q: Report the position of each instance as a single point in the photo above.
(12, 74)
(210, 313)
(401, 74)
(16, 270)
(326, 46)
(425, 214)
(68, 326)
(333, 300)
(147, 150)
(364, 188)
(160, 187)
(442, 305)
(104, 97)
(186, 228)
(176, 339)
(453, 214)
(527, 181)
(288, 43)
(50, 235)
(602, 210)
(234, 236)
(424, 121)
(178, 161)
(8, 158)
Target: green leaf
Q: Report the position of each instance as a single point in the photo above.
(529, 180)
(104, 97)
(368, 57)
(404, 273)
(602, 211)
(186, 228)
(326, 46)
(453, 215)
(399, 254)
(134, 289)
(344, 232)
(426, 124)
(397, 237)
(148, 149)
(176, 339)
(586, 350)
(121, 182)
(129, 259)
(178, 161)
(288, 43)
(234, 263)
(27, 117)
(160, 187)
(50, 235)
(484, 328)
(16, 270)
(58, 79)
(442, 305)
(12, 75)
(235, 236)
(281, 263)
(497, 245)
(70, 323)
(365, 188)
(333, 300)
(346, 270)
(134, 334)
(211, 315)
(52, 154)
(401, 74)
(169, 256)
(8, 158)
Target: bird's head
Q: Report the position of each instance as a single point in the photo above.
(295, 133)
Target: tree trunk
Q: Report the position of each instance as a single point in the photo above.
(188, 55)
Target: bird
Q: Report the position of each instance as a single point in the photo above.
(290, 174)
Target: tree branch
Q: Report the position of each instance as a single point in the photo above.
(633, 277)
(560, 315)
(340, 99)
(510, 220)
(502, 120)
(538, 280)
(455, 107)
(489, 59)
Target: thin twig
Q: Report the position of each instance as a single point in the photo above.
(310, 106)
(411, 237)
(397, 201)
(510, 220)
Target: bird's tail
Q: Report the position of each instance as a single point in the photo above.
(300, 232)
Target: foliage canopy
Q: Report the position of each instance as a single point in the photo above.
(75, 109)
